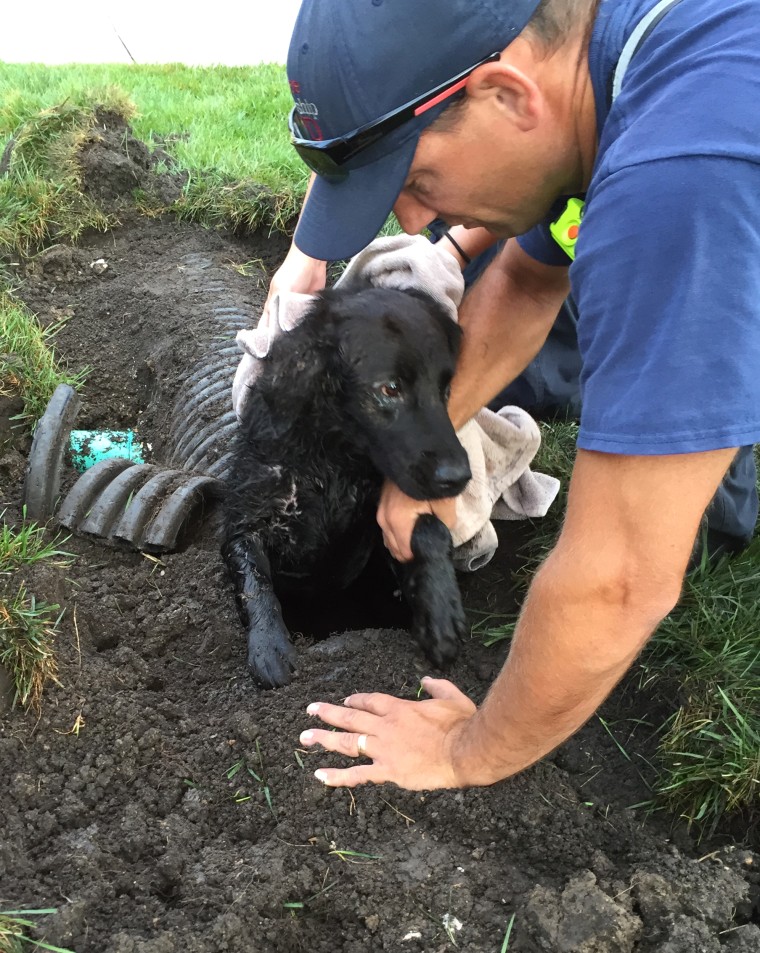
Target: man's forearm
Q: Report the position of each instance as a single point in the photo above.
(616, 571)
(573, 643)
(506, 318)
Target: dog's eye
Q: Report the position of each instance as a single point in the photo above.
(390, 390)
(446, 393)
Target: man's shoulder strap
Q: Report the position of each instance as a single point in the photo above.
(640, 33)
(565, 229)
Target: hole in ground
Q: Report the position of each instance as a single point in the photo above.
(168, 892)
(105, 641)
(372, 601)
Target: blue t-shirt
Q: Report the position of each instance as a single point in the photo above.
(667, 268)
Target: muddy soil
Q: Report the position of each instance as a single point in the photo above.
(161, 802)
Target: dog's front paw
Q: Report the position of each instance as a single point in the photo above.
(439, 621)
(271, 656)
(430, 586)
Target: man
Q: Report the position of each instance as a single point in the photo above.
(666, 278)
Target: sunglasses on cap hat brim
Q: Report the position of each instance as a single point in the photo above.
(327, 157)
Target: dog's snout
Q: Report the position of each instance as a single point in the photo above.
(452, 476)
(433, 476)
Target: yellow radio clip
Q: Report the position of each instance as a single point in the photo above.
(565, 230)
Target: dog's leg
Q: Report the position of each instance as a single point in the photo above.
(430, 587)
(271, 655)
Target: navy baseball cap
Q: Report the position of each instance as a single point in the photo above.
(353, 61)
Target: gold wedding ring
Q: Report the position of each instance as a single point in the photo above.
(361, 744)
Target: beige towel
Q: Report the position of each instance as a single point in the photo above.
(285, 312)
(407, 261)
(500, 446)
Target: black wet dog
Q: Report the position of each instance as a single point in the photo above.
(356, 393)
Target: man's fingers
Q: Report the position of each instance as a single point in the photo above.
(445, 510)
(341, 742)
(373, 702)
(349, 777)
(396, 516)
(442, 688)
(392, 542)
(354, 718)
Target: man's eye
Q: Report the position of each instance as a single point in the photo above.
(417, 189)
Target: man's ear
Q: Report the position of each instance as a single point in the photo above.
(510, 90)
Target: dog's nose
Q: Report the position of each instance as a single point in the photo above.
(452, 478)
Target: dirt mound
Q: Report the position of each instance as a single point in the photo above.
(114, 164)
(161, 801)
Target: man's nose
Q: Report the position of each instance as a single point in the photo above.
(412, 214)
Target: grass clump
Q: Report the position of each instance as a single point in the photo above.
(230, 119)
(28, 366)
(710, 643)
(27, 546)
(45, 144)
(44, 198)
(13, 932)
(223, 130)
(712, 756)
(28, 628)
(41, 197)
(212, 200)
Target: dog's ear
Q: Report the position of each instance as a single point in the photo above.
(300, 378)
(450, 328)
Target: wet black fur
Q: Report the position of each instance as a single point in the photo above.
(357, 392)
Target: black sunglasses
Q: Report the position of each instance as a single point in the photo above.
(326, 156)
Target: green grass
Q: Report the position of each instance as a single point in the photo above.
(28, 366)
(229, 119)
(27, 546)
(710, 644)
(28, 628)
(241, 766)
(27, 634)
(505, 944)
(14, 938)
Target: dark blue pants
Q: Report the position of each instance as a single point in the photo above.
(549, 387)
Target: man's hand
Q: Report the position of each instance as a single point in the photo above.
(297, 273)
(397, 736)
(397, 515)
